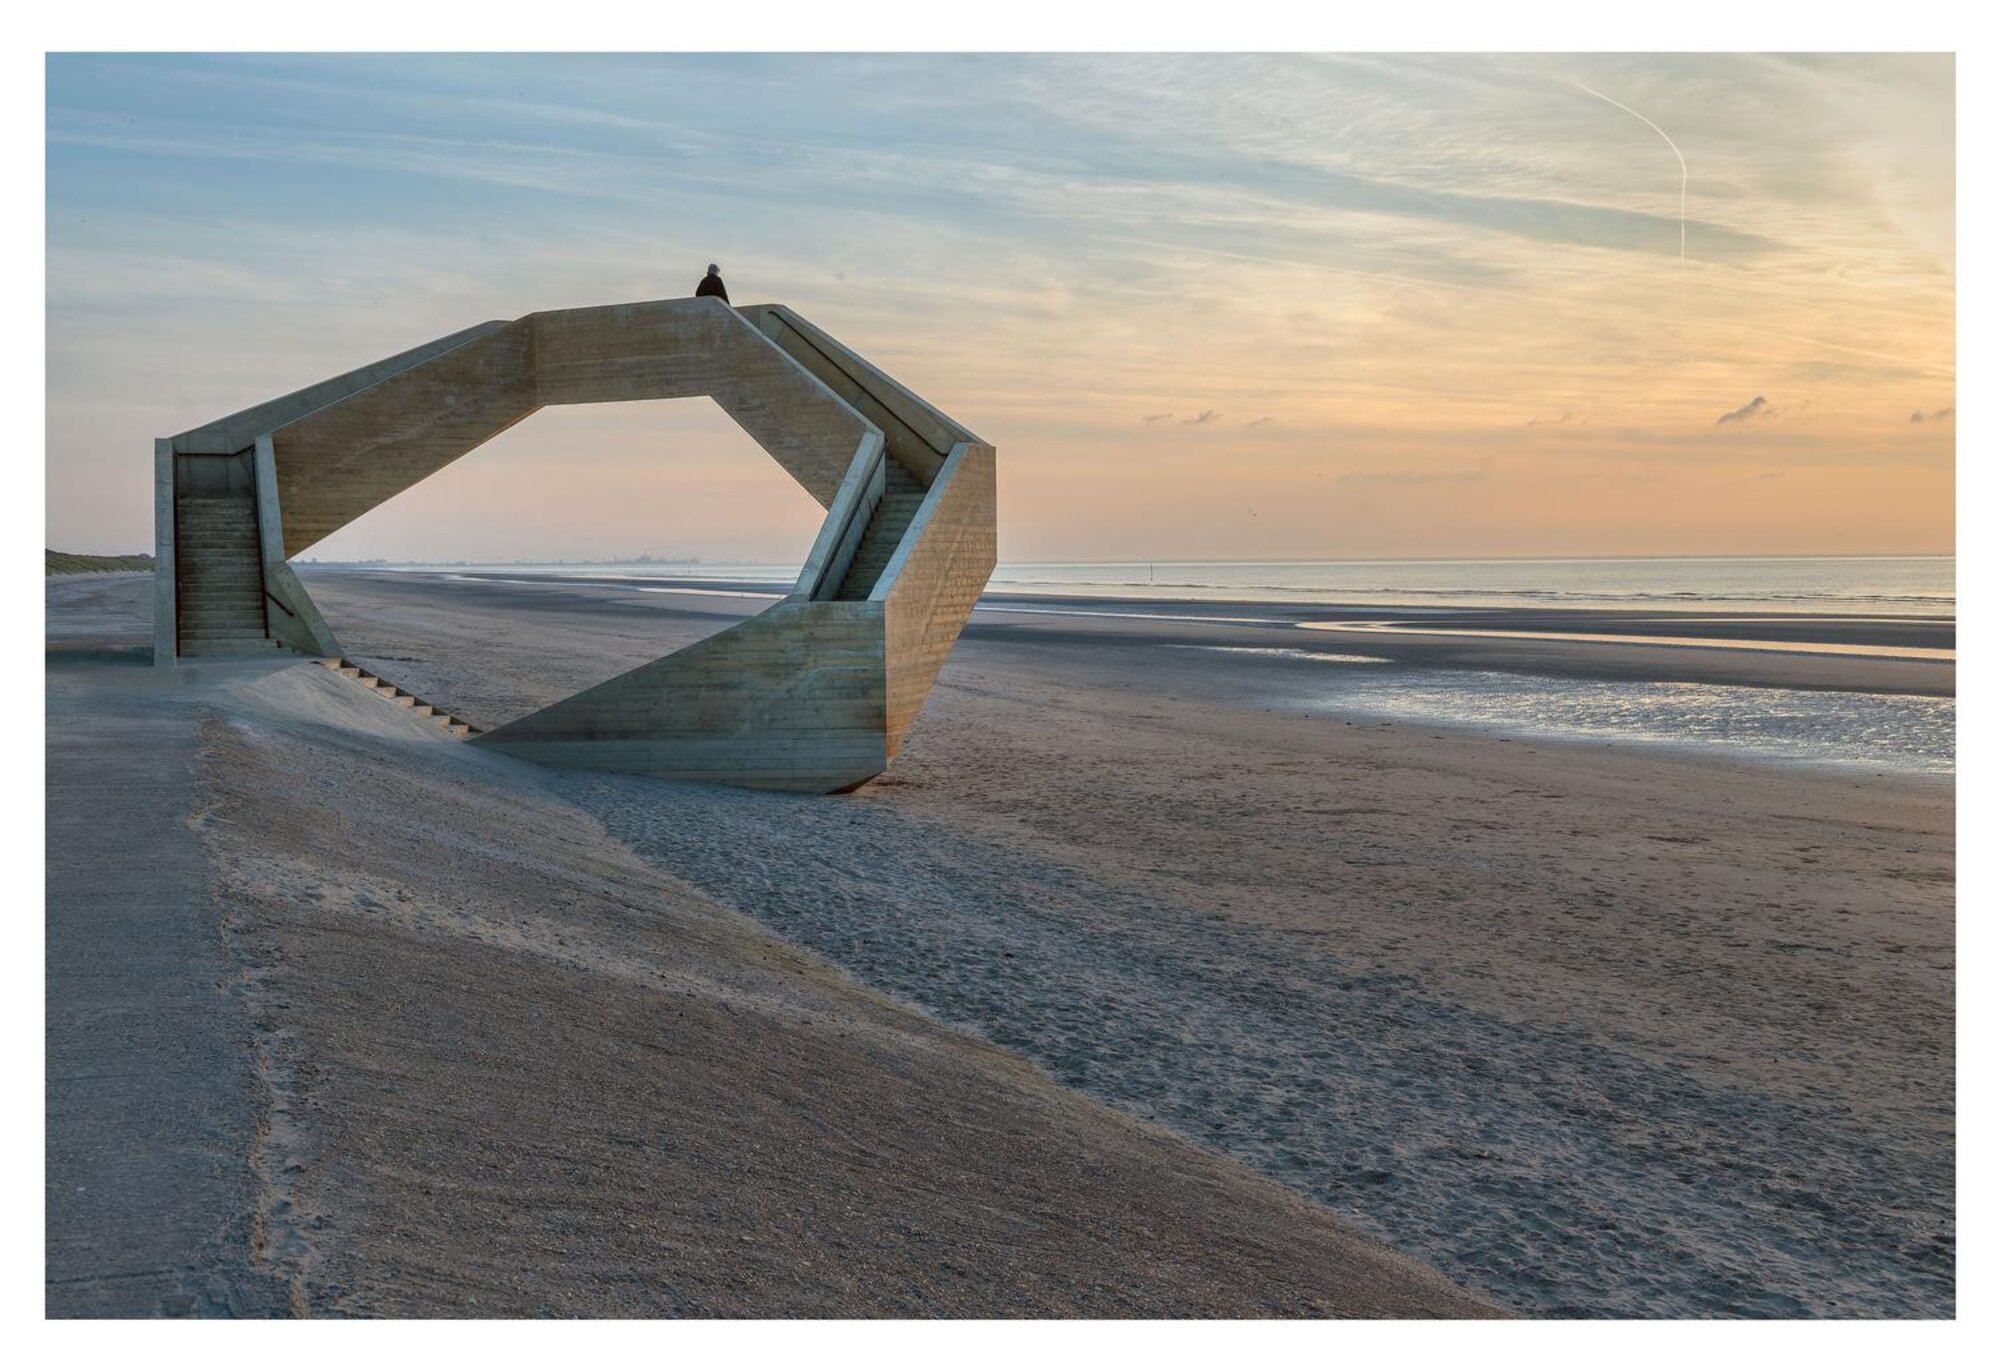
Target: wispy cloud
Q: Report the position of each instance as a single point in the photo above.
(1152, 417)
(1563, 420)
(1936, 415)
(1258, 422)
(1756, 407)
(1203, 418)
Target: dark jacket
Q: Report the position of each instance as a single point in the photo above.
(711, 288)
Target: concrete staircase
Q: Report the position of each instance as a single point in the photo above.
(901, 497)
(219, 585)
(417, 706)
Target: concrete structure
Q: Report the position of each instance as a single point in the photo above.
(814, 694)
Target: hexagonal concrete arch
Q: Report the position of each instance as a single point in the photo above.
(813, 694)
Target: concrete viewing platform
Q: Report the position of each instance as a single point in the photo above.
(814, 694)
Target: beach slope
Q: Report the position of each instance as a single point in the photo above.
(472, 1056)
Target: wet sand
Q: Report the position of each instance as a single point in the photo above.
(1891, 654)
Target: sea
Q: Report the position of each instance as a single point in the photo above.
(1903, 585)
(1854, 731)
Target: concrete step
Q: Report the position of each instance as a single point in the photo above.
(232, 603)
(410, 702)
(229, 603)
(214, 624)
(241, 630)
(216, 612)
(219, 646)
(230, 595)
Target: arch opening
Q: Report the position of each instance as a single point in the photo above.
(570, 530)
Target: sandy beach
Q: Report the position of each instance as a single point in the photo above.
(350, 1019)
(1149, 980)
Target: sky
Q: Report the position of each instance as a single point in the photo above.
(1207, 307)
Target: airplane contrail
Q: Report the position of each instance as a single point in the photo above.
(1664, 138)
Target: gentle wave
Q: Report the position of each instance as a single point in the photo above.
(1270, 652)
(1552, 594)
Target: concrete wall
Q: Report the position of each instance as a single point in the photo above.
(792, 698)
(348, 458)
(919, 436)
(166, 635)
(929, 589)
(682, 348)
